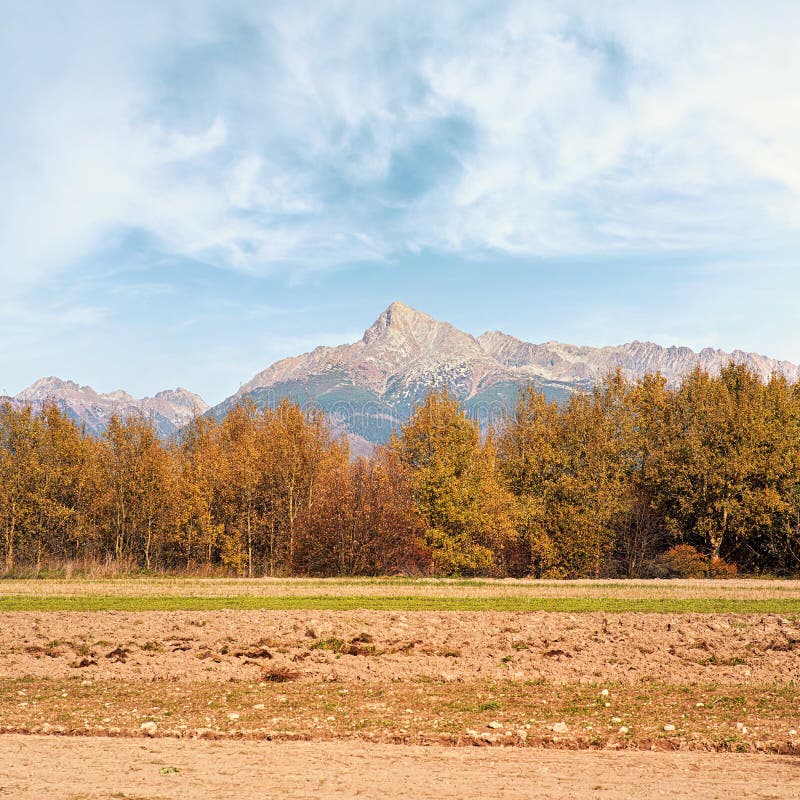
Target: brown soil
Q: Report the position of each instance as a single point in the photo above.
(232, 698)
(376, 646)
(651, 716)
(34, 767)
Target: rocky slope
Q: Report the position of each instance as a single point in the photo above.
(368, 387)
(169, 410)
(401, 355)
(566, 362)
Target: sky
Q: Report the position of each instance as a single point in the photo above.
(191, 190)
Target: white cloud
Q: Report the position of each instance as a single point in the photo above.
(637, 129)
(266, 138)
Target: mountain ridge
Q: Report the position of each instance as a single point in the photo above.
(169, 409)
(370, 386)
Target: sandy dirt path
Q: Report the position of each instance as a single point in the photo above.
(34, 767)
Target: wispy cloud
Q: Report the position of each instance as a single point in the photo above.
(60, 316)
(285, 138)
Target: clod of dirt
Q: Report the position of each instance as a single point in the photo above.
(118, 655)
(279, 675)
(358, 650)
(84, 662)
(36, 650)
(783, 645)
(301, 656)
(260, 652)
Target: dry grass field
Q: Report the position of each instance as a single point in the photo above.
(462, 588)
(651, 677)
(398, 594)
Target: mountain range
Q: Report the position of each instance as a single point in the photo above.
(370, 386)
(169, 410)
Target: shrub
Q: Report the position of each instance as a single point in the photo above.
(685, 561)
(718, 568)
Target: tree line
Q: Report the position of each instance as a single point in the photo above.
(635, 478)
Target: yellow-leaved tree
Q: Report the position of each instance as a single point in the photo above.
(468, 515)
(567, 468)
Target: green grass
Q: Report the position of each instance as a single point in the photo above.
(397, 603)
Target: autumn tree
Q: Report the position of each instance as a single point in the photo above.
(270, 462)
(772, 543)
(567, 467)
(650, 431)
(240, 475)
(364, 521)
(468, 515)
(48, 486)
(730, 483)
(531, 460)
(199, 529)
(20, 473)
(139, 473)
(70, 488)
(299, 450)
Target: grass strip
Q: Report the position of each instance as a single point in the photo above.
(784, 606)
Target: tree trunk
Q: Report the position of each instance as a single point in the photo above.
(147, 541)
(716, 541)
(10, 536)
(291, 529)
(249, 547)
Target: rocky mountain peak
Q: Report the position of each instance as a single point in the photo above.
(400, 321)
(182, 397)
(47, 388)
(118, 395)
(404, 348)
(402, 332)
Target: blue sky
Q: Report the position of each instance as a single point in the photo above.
(191, 190)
